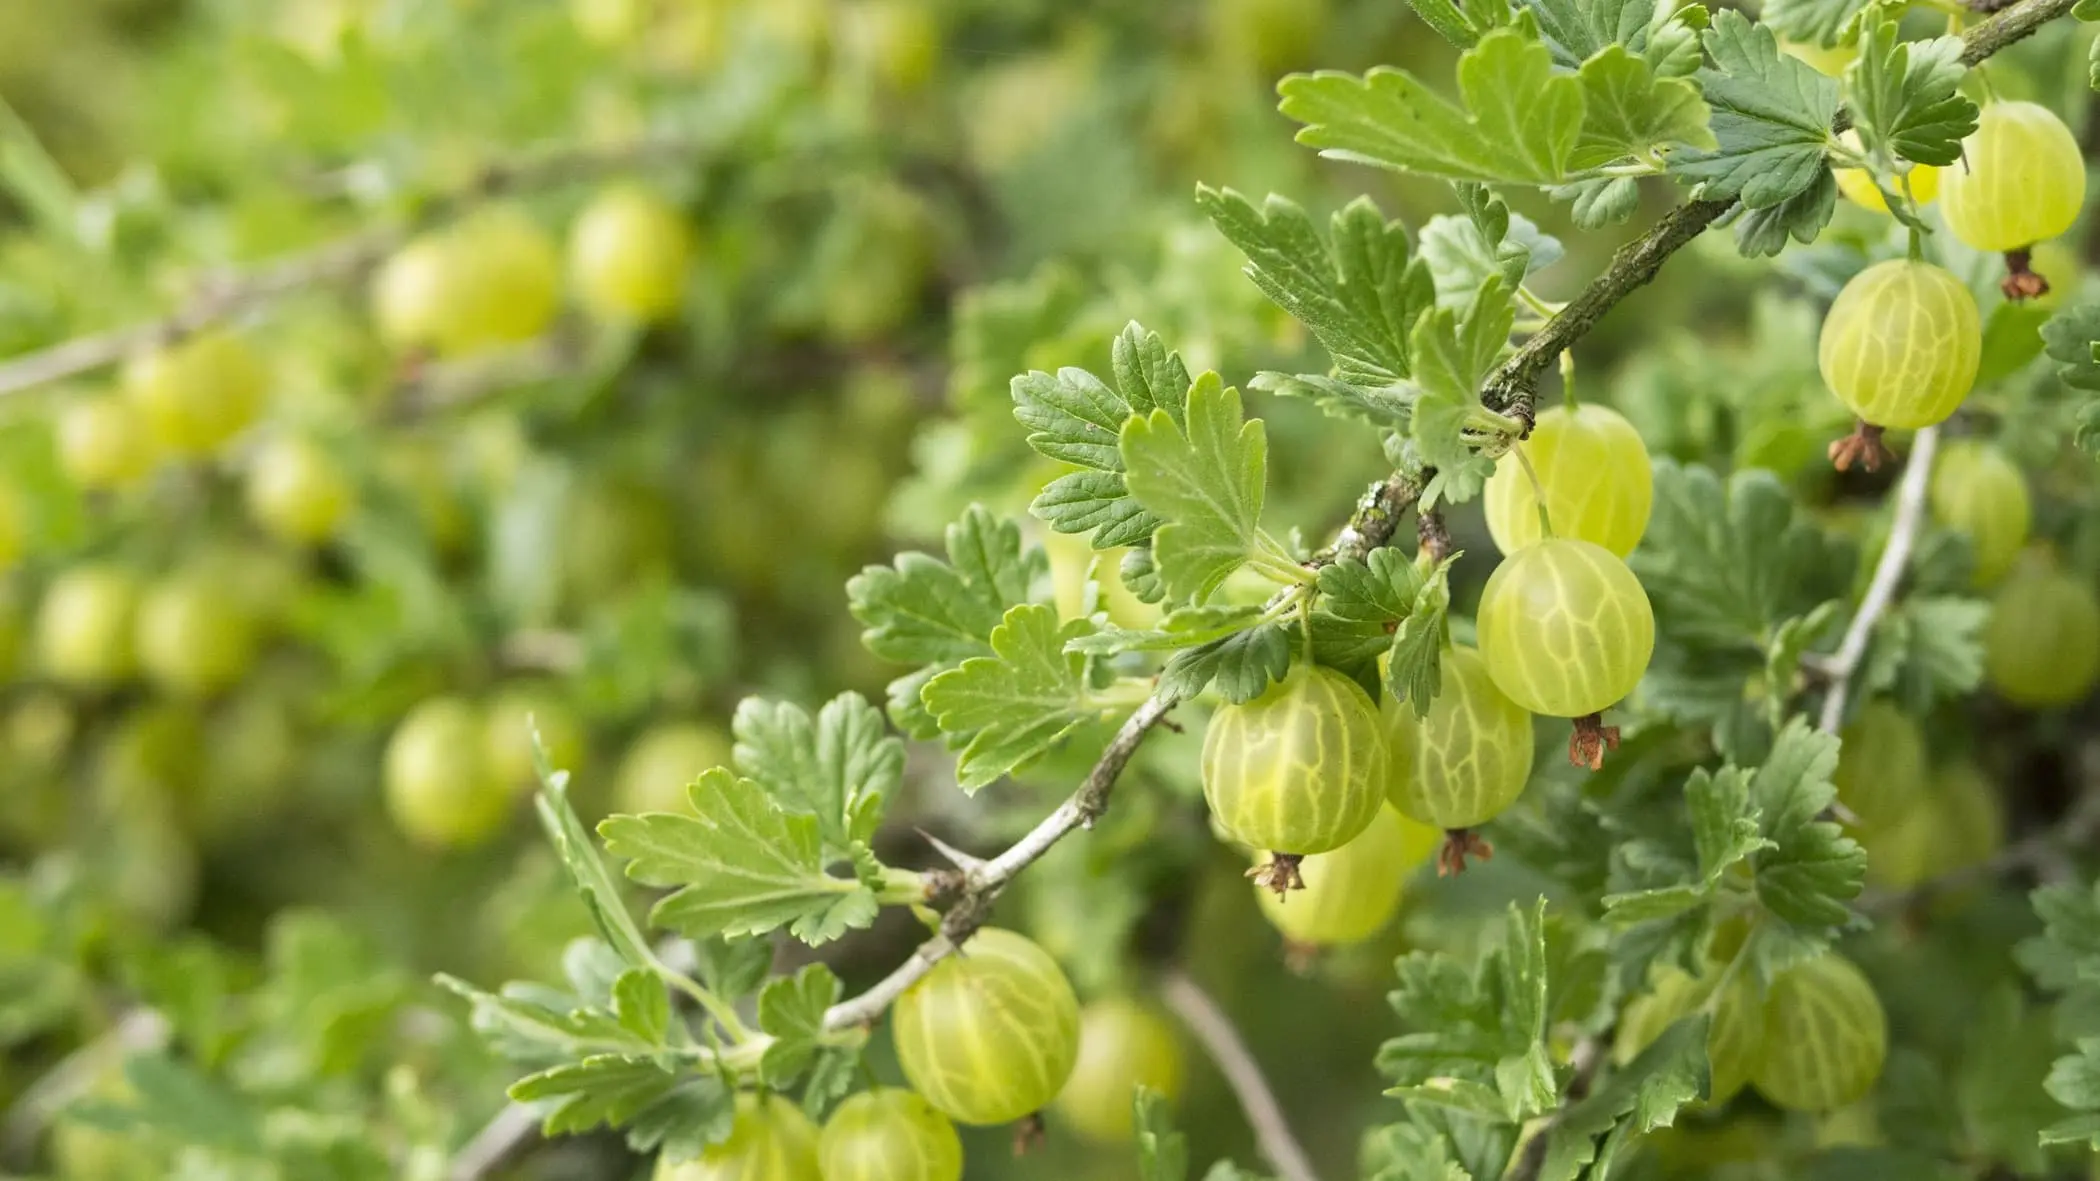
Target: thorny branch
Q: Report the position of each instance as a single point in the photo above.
(1888, 574)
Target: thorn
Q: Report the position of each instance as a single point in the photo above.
(2022, 281)
(956, 857)
(1586, 746)
(1863, 446)
(1459, 844)
(1279, 874)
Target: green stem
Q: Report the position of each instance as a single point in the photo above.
(724, 1014)
(1530, 299)
(900, 887)
(1567, 379)
(1538, 490)
(1487, 422)
(1273, 561)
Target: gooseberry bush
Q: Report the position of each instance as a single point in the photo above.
(1684, 718)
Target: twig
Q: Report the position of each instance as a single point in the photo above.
(1587, 1057)
(344, 260)
(1888, 574)
(2013, 24)
(1513, 387)
(1272, 1133)
(496, 1143)
(983, 881)
(74, 1076)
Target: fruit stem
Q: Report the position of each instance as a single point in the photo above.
(1917, 235)
(1567, 379)
(1538, 490)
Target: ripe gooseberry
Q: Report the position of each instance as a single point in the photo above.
(1733, 1037)
(771, 1140)
(1123, 1045)
(1594, 471)
(198, 394)
(195, 636)
(628, 254)
(1300, 769)
(1826, 1036)
(1565, 628)
(1858, 186)
(2021, 179)
(1975, 489)
(102, 443)
(1881, 764)
(662, 762)
(1955, 824)
(1469, 758)
(990, 1033)
(413, 294)
(439, 788)
(1901, 344)
(296, 492)
(510, 721)
(2041, 647)
(1351, 893)
(84, 626)
(889, 1134)
(504, 282)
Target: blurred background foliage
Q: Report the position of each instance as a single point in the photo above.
(894, 206)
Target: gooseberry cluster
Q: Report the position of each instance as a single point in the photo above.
(1565, 630)
(1903, 341)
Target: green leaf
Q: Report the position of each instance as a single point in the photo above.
(1722, 561)
(1463, 22)
(733, 968)
(1409, 1152)
(1206, 484)
(1810, 869)
(681, 1122)
(1414, 673)
(1358, 290)
(792, 1010)
(1645, 1094)
(1600, 201)
(1517, 121)
(1163, 1152)
(1813, 22)
(537, 1026)
(611, 1089)
(1906, 97)
(738, 866)
(1184, 627)
(174, 1102)
(922, 610)
(601, 892)
(1763, 233)
(1771, 118)
(1013, 706)
(840, 766)
(1725, 826)
(1461, 254)
(1576, 30)
(1362, 603)
(1453, 355)
(642, 1005)
(1074, 417)
(1478, 1041)
(1630, 112)
(1386, 406)
(2070, 337)
(1927, 650)
(1241, 665)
